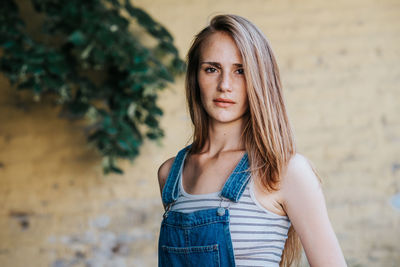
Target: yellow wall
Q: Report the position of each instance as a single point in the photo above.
(339, 64)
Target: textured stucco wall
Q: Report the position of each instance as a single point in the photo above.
(339, 66)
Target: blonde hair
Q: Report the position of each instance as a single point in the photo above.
(267, 133)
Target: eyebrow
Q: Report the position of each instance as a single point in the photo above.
(216, 64)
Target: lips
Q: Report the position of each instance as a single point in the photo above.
(224, 100)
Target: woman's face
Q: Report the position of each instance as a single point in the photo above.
(221, 79)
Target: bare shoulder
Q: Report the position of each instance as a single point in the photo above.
(298, 162)
(299, 174)
(305, 206)
(163, 172)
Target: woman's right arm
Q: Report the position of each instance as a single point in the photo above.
(163, 172)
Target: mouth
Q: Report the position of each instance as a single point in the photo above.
(224, 100)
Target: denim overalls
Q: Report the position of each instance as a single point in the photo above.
(199, 238)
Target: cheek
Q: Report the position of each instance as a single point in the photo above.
(246, 103)
(244, 97)
(203, 95)
(204, 82)
(205, 86)
(203, 98)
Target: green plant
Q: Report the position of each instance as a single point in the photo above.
(96, 67)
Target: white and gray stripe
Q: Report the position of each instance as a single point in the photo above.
(258, 235)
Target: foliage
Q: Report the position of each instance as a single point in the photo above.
(95, 65)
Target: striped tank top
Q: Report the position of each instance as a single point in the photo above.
(258, 235)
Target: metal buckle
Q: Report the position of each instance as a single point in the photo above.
(221, 210)
(167, 210)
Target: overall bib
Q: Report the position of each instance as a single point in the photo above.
(199, 238)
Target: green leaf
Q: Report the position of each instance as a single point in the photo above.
(77, 38)
(137, 87)
(147, 22)
(115, 3)
(123, 145)
(111, 131)
(168, 46)
(95, 136)
(165, 74)
(37, 89)
(151, 121)
(27, 84)
(156, 111)
(8, 44)
(106, 122)
(54, 69)
(117, 170)
(78, 107)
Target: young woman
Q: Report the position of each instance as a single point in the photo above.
(240, 194)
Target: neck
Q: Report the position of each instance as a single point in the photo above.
(224, 137)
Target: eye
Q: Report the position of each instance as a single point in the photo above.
(240, 71)
(210, 69)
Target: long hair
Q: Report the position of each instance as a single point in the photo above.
(267, 133)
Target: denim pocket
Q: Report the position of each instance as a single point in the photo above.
(190, 256)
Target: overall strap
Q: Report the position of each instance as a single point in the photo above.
(171, 187)
(237, 181)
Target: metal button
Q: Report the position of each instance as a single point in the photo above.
(221, 211)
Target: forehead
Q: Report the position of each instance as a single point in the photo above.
(220, 45)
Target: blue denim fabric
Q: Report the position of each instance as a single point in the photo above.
(200, 238)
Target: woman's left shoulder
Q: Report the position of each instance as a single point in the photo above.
(299, 174)
(304, 203)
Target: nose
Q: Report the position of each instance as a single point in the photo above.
(225, 83)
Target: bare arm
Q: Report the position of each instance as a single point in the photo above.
(163, 172)
(304, 203)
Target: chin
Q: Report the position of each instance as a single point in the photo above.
(225, 119)
(225, 116)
